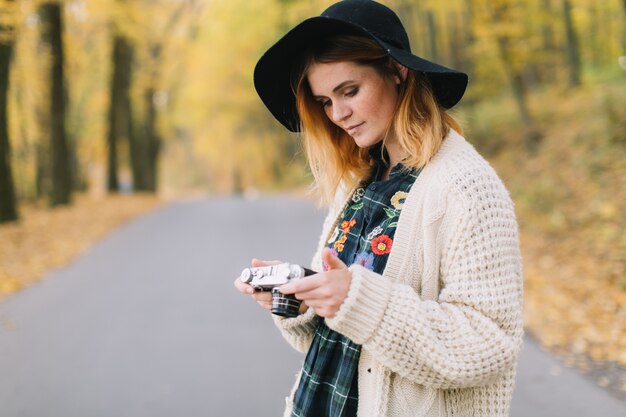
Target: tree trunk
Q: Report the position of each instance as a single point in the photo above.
(572, 48)
(135, 154)
(624, 34)
(410, 14)
(468, 40)
(457, 42)
(141, 152)
(595, 40)
(8, 204)
(549, 67)
(52, 29)
(119, 108)
(500, 12)
(532, 136)
(432, 36)
(145, 143)
(152, 142)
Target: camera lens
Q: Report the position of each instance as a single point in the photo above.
(285, 305)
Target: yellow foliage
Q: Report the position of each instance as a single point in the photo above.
(201, 71)
(570, 199)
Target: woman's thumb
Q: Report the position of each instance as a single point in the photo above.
(331, 260)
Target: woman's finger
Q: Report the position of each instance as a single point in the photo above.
(304, 284)
(264, 299)
(258, 262)
(318, 293)
(321, 309)
(262, 296)
(242, 287)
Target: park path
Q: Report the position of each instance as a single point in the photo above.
(148, 324)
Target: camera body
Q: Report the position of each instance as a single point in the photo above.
(269, 278)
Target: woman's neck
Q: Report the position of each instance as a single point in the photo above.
(395, 152)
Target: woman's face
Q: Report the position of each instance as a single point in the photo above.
(356, 98)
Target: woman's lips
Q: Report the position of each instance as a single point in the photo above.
(352, 129)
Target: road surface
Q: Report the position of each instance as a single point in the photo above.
(148, 324)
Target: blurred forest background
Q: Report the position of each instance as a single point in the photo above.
(107, 98)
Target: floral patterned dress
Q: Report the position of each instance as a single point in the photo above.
(363, 235)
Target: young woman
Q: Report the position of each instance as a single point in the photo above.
(417, 306)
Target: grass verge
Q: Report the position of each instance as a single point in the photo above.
(44, 238)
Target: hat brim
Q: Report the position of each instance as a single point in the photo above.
(273, 71)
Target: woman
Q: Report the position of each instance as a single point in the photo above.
(417, 308)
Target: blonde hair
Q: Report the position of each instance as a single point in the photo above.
(419, 123)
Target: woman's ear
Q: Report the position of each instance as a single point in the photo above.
(401, 72)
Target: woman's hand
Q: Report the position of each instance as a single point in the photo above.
(264, 298)
(323, 292)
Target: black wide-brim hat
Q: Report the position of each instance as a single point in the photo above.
(274, 70)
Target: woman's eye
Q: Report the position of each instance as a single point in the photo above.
(352, 92)
(325, 103)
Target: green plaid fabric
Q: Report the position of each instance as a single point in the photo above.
(364, 235)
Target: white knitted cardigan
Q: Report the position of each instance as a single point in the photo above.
(442, 327)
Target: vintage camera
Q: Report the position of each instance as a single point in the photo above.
(269, 278)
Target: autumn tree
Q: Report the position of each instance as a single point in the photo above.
(191, 109)
(572, 49)
(8, 206)
(624, 36)
(432, 32)
(548, 67)
(505, 20)
(60, 168)
(120, 114)
(152, 36)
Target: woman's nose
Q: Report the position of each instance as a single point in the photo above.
(340, 112)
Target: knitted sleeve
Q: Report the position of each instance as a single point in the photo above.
(298, 331)
(472, 333)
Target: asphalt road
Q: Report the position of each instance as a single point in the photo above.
(148, 323)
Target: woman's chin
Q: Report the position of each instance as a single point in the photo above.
(364, 142)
